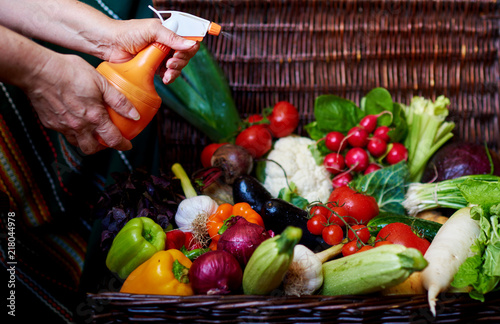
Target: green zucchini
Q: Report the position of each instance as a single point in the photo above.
(370, 271)
(424, 227)
(269, 263)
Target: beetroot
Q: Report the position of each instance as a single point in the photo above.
(458, 159)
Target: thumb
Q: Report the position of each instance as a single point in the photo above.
(118, 102)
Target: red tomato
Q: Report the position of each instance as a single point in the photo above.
(316, 224)
(208, 152)
(283, 119)
(332, 234)
(338, 212)
(365, 248)
(254, 118)
(379, 243)
(256, 139)
(332, 218)
(361, 231)
(361, 208)
(399, 233)
(350, 248)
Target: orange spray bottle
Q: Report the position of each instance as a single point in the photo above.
(135, 78)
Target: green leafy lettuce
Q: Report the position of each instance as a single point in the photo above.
(482, 270)
(387, 186)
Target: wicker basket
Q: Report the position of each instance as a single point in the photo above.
(296, 50)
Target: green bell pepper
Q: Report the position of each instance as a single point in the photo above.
(134, 244)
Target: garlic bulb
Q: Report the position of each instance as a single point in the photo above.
(194, 210)
(305, 274)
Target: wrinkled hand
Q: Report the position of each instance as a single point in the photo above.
(69, 96)
(131, 36)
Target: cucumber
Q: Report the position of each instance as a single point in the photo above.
(370, 271)
(269, 263)
(427, 228)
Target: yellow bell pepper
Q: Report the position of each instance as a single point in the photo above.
(165, 273)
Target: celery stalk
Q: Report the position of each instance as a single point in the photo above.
(428, 132)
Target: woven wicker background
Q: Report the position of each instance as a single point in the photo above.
(297, 50)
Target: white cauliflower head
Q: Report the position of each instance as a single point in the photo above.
(292, 153)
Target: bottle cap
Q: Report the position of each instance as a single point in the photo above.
(214, 29)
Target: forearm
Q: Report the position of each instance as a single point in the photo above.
(21, 59)
(68, 23)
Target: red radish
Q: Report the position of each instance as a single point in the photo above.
(334, 163)
(397, 153)
(357, 159)
(342, 180)
(382, 133)
(357, 137)
(372, 167)
(376, 146)
(369, 122)
(334, 141)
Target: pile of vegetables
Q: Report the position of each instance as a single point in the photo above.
(267, 214)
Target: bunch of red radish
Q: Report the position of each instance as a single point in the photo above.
(365, 148)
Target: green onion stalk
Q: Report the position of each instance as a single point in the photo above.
(444, 194)
(428, 131)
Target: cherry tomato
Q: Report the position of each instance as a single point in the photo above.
(256, 139)
(316, 224)
(284, 119)
(399, 233)
(254, 118)
(332, 234)
(208, 152)
(365, 248)
(361, 231)
(361, 208)
(335, 216)
(350, 248)
(319, 210)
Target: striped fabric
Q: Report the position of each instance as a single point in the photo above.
(50, 187)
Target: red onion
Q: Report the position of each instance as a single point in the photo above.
(241, 239)
(215, 273)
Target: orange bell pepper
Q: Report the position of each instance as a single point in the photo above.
(223, 212)
(165, 273)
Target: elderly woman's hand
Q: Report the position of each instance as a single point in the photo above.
(128, 37)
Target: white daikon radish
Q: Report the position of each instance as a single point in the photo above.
(448, 250)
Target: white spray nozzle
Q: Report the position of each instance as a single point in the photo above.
(187, 25)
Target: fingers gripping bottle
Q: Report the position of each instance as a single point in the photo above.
(135, 78)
